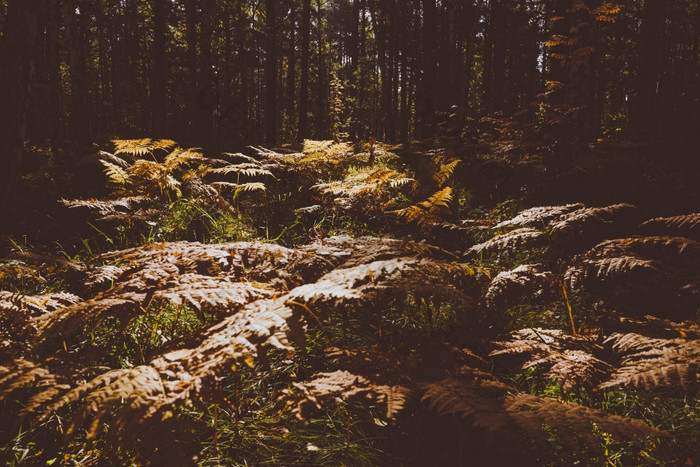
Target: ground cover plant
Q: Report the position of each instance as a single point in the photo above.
(371, 320)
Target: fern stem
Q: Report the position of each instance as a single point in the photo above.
(568, 307)
(304, 306)
(216, 429)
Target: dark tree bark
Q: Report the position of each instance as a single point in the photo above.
(426, 101)
(160, 69)
(17, 57)
(322, 110)
(191, 34)
(207, 89)
(271, 72)
(291, 63)
(354, 53)
(645, 109)
(304, 84)
(80, 111)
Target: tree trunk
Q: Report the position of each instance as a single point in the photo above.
(291, 66)
(191, 34)
(304, 84)
(80, 114)
(17, 57)
(646, 106)
(271, 72)
(426, 102)
(160, 69)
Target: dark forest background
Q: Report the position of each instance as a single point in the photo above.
(223, 74)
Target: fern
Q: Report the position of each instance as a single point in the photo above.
(487, 406)
(569, 359)
(641, 272)
(140, 147)
(540, 217)
(681, 226)
(509, 288)
(524, 238)
(327, 389)
(430, 210)
(590, 225)
(648, 363)
(116, 174)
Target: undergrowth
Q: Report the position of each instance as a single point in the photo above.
(332, 307)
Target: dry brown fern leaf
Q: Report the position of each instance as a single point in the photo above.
(648, 363)
(681, 226)
(540, 216)
(517, 421)
(651, 326)
(656, 275)
(568, 359)
(17, 311)
(510, 288)
(328, 389)
(508, 243)
(587, 226)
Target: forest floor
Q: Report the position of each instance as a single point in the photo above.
(436, 303)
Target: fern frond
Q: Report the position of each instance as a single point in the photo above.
(111, 158)
(540, 217)
(488, 406)
(429, 210)
(509, 288)
(648, 363)
(109, 207)
(116, 174)
(247, 168)
(568, 359)
(445, 171)
(179, 157)
(681, 226)
(590, 225)
(252, 186)
(133, 147)
(327, 389)
(525, 238)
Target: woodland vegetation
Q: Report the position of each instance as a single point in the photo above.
(349, 232)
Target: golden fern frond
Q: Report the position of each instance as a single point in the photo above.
(363, 181)
(116, 174)
(524, 238)
(247, 168)
(179, 157)
(445, 171)
(152, 178)
(325, 149)
(648, 362)
(686, 226)
(252, 186)
(133, 147)
(509, 288)
(163, 144)
(429, 210)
